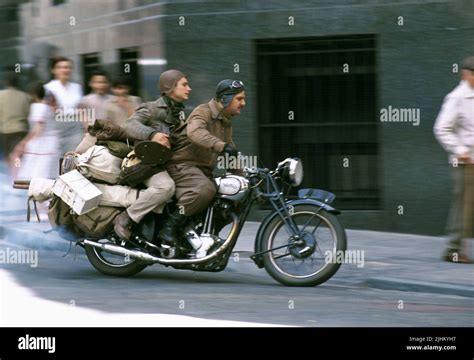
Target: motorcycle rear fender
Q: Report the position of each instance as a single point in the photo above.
(272, 215)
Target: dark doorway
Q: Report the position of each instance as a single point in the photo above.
(90, 63)
(317, 100)
(129, 68)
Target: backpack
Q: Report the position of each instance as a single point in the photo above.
(116, 148)
(98, 222)
(134, 171)
(99, 164)
(95, 223)
(61, 219)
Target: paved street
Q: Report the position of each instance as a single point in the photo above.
(401, 283)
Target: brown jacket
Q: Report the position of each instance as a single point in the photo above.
(200, 139)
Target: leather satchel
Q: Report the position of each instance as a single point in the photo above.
(134, 172)
(146, 160)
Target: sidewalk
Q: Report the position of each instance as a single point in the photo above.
(392, 261)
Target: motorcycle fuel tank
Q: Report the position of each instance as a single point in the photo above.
(232, 187)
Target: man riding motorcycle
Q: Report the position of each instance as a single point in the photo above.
(155, 121)
(291, 242)
(196, 146)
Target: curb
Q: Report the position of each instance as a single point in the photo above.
(387, 283)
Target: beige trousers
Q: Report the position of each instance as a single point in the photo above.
(160, 189)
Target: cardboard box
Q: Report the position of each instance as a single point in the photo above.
(78, 192)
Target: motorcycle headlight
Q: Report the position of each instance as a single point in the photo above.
(291, 170)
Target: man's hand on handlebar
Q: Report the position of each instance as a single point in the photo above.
(232, 151)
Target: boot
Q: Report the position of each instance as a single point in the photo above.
(122, 225)
(169, 233)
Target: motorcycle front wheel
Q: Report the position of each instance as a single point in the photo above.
(310, 259)
(111, 264)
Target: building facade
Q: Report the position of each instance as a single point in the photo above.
(352, 87)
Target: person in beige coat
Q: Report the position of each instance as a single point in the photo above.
(122, 105)
(454, 129)
(14, 109)
(95, 104)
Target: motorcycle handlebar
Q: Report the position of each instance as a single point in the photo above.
(21, 184)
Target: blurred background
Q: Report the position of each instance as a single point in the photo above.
(317, 74)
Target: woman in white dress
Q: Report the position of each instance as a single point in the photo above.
(71, 127)
(39, 149)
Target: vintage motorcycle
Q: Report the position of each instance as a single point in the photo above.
(293, 242)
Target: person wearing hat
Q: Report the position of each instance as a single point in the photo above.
(155, 121)
(206, 134)
(454, 129)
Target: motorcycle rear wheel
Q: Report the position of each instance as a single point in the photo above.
(105, 265)
(286, 265)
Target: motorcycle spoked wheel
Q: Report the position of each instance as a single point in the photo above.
(111, 264)
(323, 235)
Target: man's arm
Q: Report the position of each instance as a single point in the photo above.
(444, 128)
(136, 126)
(199, 134)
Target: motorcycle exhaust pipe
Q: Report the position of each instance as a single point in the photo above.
(118, 250)
(140, 255)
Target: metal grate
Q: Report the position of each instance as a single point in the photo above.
(313, 107)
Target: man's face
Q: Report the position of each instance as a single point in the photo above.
(468, 75)
(237, 104)
(99, 84)
(181, 92)
(62, 70)
(120, 90)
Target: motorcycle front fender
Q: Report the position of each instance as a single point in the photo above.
(263, 226)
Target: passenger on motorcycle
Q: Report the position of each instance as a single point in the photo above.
(156, 121)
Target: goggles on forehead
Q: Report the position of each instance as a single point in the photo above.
(236, 84)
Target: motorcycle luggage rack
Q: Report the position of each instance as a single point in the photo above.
(21, 184)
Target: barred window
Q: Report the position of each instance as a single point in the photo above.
(317, 100)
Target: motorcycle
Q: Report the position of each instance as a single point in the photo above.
(295, 243)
